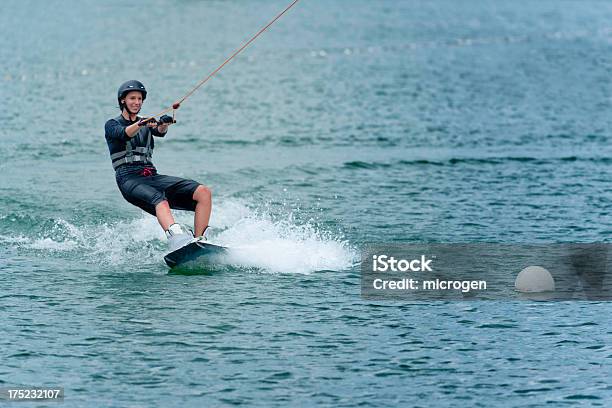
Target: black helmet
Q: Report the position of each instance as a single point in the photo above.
(130, 86)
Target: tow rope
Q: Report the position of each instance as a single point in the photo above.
(177, 104)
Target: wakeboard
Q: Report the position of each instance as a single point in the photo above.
(200, 251)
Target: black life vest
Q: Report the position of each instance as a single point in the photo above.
(134, 153)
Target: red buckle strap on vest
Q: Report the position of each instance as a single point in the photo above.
(146, 172)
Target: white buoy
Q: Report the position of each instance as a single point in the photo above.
(534, 279)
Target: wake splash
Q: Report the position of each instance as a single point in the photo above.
(282, 246)
(115, 244)
(257, 241)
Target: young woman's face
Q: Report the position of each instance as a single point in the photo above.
(133, 101)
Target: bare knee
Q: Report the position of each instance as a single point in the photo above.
(202, 193)
(163, 205)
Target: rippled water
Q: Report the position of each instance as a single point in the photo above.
(347, 123)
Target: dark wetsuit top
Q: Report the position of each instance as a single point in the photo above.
(139, 183)
(117, 139)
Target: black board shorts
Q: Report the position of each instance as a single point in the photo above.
(146, 191)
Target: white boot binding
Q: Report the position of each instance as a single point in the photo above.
(178, 236)
(201, 238)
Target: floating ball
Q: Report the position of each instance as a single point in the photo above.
(534, 279)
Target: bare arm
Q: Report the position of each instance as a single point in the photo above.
(133, 129)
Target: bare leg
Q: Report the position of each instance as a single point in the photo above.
(164, 216)
(203, 196)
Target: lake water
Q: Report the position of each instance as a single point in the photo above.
(347, 123)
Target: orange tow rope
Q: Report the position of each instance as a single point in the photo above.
(177, 104)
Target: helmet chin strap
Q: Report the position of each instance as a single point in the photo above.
(130, 113)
